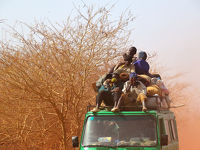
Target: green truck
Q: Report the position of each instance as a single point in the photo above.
(128, 130)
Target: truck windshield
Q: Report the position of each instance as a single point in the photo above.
(120, 131)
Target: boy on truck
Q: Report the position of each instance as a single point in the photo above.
(132, 90)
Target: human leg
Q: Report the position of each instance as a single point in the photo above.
(152, 90)
(116, 98)
(103, 95)
(141, 98)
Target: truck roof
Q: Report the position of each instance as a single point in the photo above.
(150, 112)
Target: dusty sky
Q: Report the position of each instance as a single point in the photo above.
(169, 27)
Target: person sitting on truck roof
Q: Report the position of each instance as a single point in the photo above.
(152, 88)
(127, 67)
(141, 65)
(164, 92)
(128, 58)
(155, 86)
(98, 86)
(131, 52)
(132, 90)
(123, 71)
(111, 95)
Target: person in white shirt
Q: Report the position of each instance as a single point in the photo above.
(132, 90)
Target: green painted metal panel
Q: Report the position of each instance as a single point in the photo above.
(121, 148)
(155, 113)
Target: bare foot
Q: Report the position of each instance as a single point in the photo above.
(95, 110)
(144, 109)
(115, 109)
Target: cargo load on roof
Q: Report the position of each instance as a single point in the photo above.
(130, 84)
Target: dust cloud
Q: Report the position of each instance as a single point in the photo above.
(188, 122)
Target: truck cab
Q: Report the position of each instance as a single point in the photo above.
(129, 130)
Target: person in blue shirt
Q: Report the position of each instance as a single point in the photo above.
(141, 66)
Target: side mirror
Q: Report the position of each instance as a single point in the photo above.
(164, 140)
(75, 142)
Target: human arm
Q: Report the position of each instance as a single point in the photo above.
(126, 87)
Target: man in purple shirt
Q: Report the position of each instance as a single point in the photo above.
(141, 66)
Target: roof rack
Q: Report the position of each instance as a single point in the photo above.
(125, 108)
(128, 108)
(152, 103)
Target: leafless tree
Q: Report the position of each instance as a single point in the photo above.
(46, 76)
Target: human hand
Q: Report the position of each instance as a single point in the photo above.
(115, 89)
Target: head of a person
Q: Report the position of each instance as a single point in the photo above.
(108, 76)
(115, 78)
(132, 51)
(133, 77)
(142, 55)
(127, 59)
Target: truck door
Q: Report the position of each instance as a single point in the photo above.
(168, 126)
(174, 135)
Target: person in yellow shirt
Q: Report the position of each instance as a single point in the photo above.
(127, 67)
(152, 88)
(155, 86)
